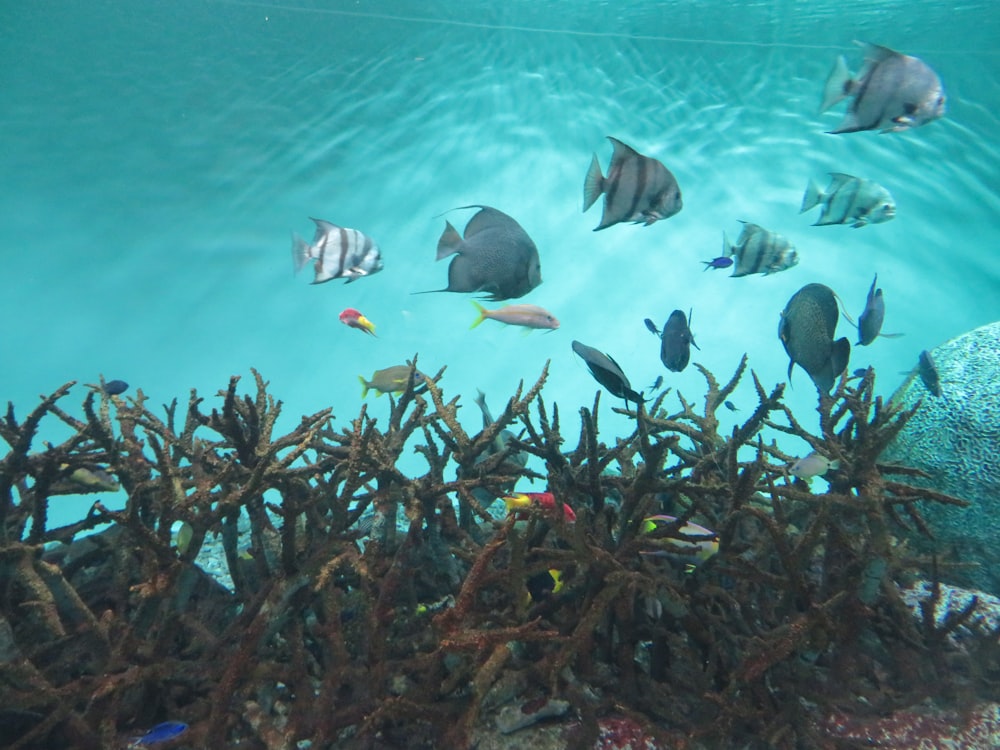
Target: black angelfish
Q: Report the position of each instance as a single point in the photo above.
(676, 340)
(496, 257)
(607, 372)
(806, 331)
(929, 373)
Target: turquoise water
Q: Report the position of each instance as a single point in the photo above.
(158, 156)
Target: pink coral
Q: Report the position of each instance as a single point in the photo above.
(912, 729)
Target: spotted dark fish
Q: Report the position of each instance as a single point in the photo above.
(929, 373)
(637, 189)
(339, 252)
(806, 331)
(849, 200)
(894, 92)
(759, 250)
(607, 372)
(676, 340)
(496, 257)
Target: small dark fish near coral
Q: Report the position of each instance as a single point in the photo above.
(723, 261)
(607, 372)
(676, 341)
(496, 257)
(806, 331)
(637, 189)
(168, 730)
(730, 405)
(870, 320)
(115, 387)
(849, 200)
(929, 373)
(759, 250)
(340, 253)
(894, 92)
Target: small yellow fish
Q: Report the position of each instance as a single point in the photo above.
(184, 535)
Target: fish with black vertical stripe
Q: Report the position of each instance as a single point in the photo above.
(893, 92)
(849, 200)
(759, 250)
(638, 188)
(338, 252)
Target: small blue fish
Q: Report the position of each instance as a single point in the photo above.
(115, 387)
(160, 733)
(723, 261)
(731, 406)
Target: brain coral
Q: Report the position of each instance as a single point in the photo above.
(955, 438)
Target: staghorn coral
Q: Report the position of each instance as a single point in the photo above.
(414, 636)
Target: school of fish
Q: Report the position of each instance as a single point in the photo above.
(496, 259)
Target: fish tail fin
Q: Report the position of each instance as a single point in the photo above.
(839, 355)
(838, 84)
(300, 252)
(364, 386)
(593, 183)
(450, 241)
(482, 314)
(727, 246)
(812, 197)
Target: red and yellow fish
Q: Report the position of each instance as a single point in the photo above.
(546, 501)
(354, 319)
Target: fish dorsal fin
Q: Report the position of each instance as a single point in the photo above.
(323, 228)
(620, 372)
(838, 179)
(622, 152)
(450, 242)
(486, 218)
(875, 53)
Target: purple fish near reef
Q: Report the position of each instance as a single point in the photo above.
(894, 92)
(168, 730)
(637, 189)
(723, 261)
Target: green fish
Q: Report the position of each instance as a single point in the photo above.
(392, 380)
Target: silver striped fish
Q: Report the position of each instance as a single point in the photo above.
(759, 250)
(849, 200)
(637, 189)
(340, 253)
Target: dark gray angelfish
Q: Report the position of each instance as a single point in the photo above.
(339, 252)
(929, 373)
(893, 92)
(849, 200)
(870, 320)
(806, 331)
(496, 257)
(759, 250)
(607, 372)
(516, 460)
(637, 189)
(676, 340)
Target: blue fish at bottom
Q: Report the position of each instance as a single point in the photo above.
(160, 733)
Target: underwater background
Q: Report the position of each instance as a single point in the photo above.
(157, 156)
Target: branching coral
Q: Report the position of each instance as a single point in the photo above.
(435, 619)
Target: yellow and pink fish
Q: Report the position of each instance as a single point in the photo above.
(527, 316)
(354, 319)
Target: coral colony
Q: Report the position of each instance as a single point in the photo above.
(370, 609)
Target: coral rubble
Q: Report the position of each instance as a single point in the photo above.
(434, 626)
